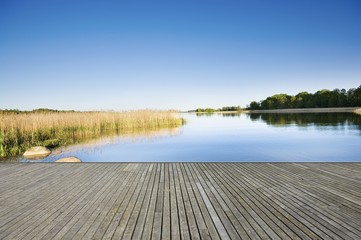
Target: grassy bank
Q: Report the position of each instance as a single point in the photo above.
(19, 131)
(309, 110)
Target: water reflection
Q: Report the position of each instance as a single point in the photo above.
(205, 114)
(130, 137)
(319, 120)
(233, 115)
(233, 137)
(93, 146)
(223, 114)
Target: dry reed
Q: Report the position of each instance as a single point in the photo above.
(21, 131)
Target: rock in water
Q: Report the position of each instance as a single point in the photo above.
(36, 153)
(68, 160)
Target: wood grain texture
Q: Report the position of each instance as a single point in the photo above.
(180, 201)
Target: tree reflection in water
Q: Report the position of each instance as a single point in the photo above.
(318, 120)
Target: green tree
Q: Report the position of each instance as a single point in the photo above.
(254, 105)
(323, 98)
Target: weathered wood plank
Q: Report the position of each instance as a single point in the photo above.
(294, 199)
(55, 204)
(138, 231)
(180, 201)
(148, 227)
(124, 188)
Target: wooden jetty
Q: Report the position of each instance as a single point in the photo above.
(180, 201)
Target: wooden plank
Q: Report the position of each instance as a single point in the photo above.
(257, 207)
(138, 231)
(184, 228)
(313, 219)
(118, 216)
(166, 220)
(105, 223)
(130, 215)
(192, 225)
(158, 215)
(175, 230)
(84, 218)
(78, 206)
(44, 200)
(318, 198)
(201, 225)
(238, 187)
(227, 204)
(148, 227)
(99, 214)
(51, 207)
(180, 201)
(225, 230)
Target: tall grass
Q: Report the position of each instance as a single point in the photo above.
(21, 131)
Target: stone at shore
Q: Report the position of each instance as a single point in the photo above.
(68, 160)
(36, 153)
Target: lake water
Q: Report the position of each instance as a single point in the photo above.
(308, 137)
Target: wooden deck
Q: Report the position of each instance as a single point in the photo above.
(180, 201)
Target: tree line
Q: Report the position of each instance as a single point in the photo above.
(320, 99)
(212, 110)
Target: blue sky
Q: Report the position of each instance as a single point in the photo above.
(121, 55)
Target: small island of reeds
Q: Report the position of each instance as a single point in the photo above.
(20, 130)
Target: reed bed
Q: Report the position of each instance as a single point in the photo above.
(21, 131)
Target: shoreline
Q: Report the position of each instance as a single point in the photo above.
(356, 110)
(310, 110)
(223, 112)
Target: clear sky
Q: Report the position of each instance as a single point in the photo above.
(178, 54)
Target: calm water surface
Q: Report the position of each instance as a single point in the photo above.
(234, 138)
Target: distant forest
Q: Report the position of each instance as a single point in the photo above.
(320, 99)
(223, 109)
